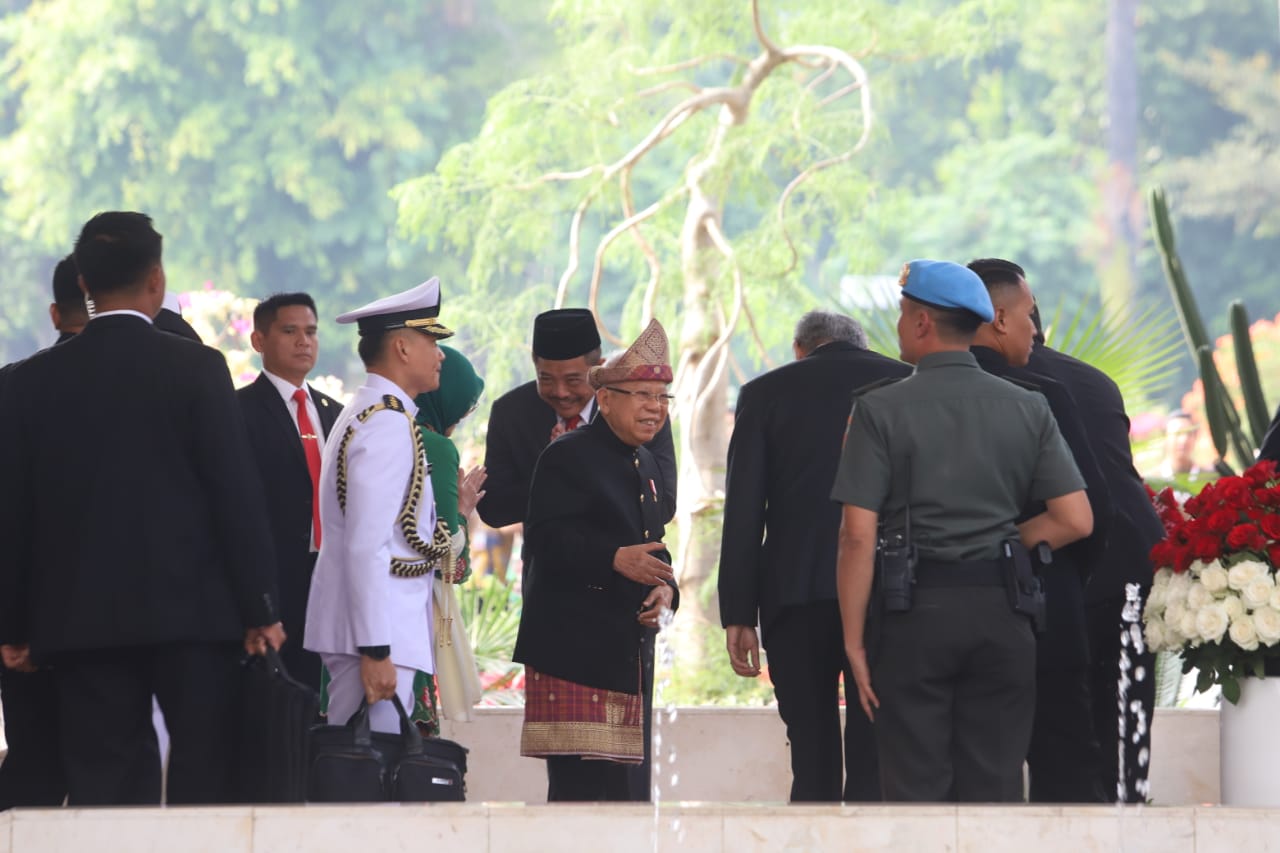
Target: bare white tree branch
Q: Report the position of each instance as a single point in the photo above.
(685, 65)
(837, 59)
(575, 239)
(761, 36)
(552, 177)
(650, 256)
(598, 267)
(814, 82)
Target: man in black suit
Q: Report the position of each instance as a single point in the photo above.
(288, 422)
(778, 550)
(31, 775)
(136, 561)
(527, 418)
(1064, 759)
(169, 319)
(67, 312)
(1135, 528)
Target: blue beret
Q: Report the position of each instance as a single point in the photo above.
(942, 284)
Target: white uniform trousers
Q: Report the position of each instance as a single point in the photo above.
(346, 690)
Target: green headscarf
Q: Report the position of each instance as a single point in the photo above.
(460, 388)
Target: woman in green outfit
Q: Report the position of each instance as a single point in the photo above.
(456, 494)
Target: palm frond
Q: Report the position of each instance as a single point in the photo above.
(881, 326)
(492, 616)
(1140, 352)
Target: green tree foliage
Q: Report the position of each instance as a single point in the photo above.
(1238, 177)
(508, 197)
(1004, 153)
(262, 135)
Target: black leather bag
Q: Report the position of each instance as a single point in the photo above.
(351, 764)
(345, 766)
(277, 714)
(422, 774)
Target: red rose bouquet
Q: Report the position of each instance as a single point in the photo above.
(1214, 598)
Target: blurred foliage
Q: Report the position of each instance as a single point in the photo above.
(714, 684)
(1265, 334)
(491, 612)
(1238, 177)
(224, 321)
(262, 135)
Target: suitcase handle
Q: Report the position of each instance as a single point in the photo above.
(409, 734)
(410, 737)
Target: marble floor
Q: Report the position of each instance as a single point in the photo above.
(727, 827)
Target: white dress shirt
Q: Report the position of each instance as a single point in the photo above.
(287, 389)
(121, 311)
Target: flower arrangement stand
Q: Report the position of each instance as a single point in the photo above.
(1250, 752)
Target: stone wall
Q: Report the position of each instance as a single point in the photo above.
(740, 755)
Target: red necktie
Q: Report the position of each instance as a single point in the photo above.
(571, 424)
(311, 447)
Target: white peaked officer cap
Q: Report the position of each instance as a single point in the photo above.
(416, 308)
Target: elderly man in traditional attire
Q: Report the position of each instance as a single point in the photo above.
(369, 613)
(596, 576)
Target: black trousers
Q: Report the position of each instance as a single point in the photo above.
(32, 773)
(640, 776)
(1064, 760)
(108, 742)
(956, 681)
(574, 779)
(302, 665)
(1105, 625)
(805, 645)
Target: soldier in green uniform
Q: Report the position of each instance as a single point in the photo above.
(952, 688)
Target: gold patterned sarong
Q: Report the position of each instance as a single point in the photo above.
(564, 718)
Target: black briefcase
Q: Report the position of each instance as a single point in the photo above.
(345, 766)
(277, 714)
(352, 764)
(428, 770)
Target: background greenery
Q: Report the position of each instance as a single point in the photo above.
(265, 137)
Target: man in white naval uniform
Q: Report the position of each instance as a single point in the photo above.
(369, 612)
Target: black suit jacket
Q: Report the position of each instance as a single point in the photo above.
(126, 500)
(778, 544)
(281, 466)
(520, 424)
(174, 323)
(1271, 441)
(63, 337)
(590, 496)
(1135, 526)
(1064, 644)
